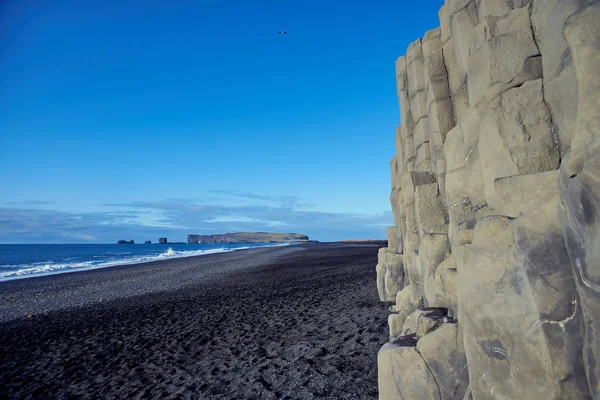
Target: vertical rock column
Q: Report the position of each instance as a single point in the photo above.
(579, 184)
(492, 263)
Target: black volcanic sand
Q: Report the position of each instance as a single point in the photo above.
(297, 322)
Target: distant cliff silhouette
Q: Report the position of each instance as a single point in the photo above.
(247, 237)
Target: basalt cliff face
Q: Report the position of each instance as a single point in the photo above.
(493, 262)
(247, 237)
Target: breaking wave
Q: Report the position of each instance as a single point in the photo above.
(9, 272)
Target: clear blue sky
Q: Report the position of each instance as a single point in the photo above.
(134, 119)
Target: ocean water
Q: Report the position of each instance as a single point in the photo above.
(28, 260)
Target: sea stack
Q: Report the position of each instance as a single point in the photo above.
(162, 240)
(148, 242)
(493, 262)
(126, 242)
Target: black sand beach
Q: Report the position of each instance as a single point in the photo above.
(296, 322)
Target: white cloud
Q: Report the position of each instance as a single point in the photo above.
(232, 218)
(78, 236)
(241, 218)
(148, 220)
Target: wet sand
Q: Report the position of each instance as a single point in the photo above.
(297, 322)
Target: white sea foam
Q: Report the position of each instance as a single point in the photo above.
(50, 267)
(41, 269)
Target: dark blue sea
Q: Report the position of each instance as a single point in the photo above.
(28, 260)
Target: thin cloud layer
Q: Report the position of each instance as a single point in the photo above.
(30, 203)
(148, 220)
(287, 202)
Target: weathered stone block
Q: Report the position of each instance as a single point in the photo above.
(409, 152)
(460, 103)
(444, 16)
(410, 324)
(415, 66)
(390, 274)
(582, 32)
(464, 178)
(399, 145)
(423, 320)
(455, 79)
(470, 128)
(560, 84)
(436, 70)
(434, 291)
(580, 195)
(497, 312)
(411, 250)
(446, 361)
(423, 158)
(418, 106)
(397, 206)
(411, 180)
(438, 165)
(560, 95)
(441, 120)
(431, 42)
(517, 194)
(463, 23)
(405, 120)
(516, 136)
(433, 249)
(542, 254)
(395, 322)
(407, 300)
(455, 6)
(431, 216)
(393, 172)
(493, 8)
(394, 242)
(504, 55)
(401, 74)
(463, 217)
(454, 149)
(447, 270)
(430, 320)
(403, 374)
(421, 132)
(548, 19)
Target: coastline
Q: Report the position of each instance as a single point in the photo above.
(80, 287)
(279, 322)
(140, 260)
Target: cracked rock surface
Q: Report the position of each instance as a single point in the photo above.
(496, 204)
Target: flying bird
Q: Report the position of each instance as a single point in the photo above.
(282, 33)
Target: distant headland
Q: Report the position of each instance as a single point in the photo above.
(247, 237)
(239, 237)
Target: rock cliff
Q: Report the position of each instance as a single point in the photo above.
(247, 237)
(493, 262)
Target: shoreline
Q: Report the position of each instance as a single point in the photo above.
(278, 322)
(124, 263)
(21, 297)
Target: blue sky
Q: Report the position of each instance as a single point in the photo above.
(138, 119)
